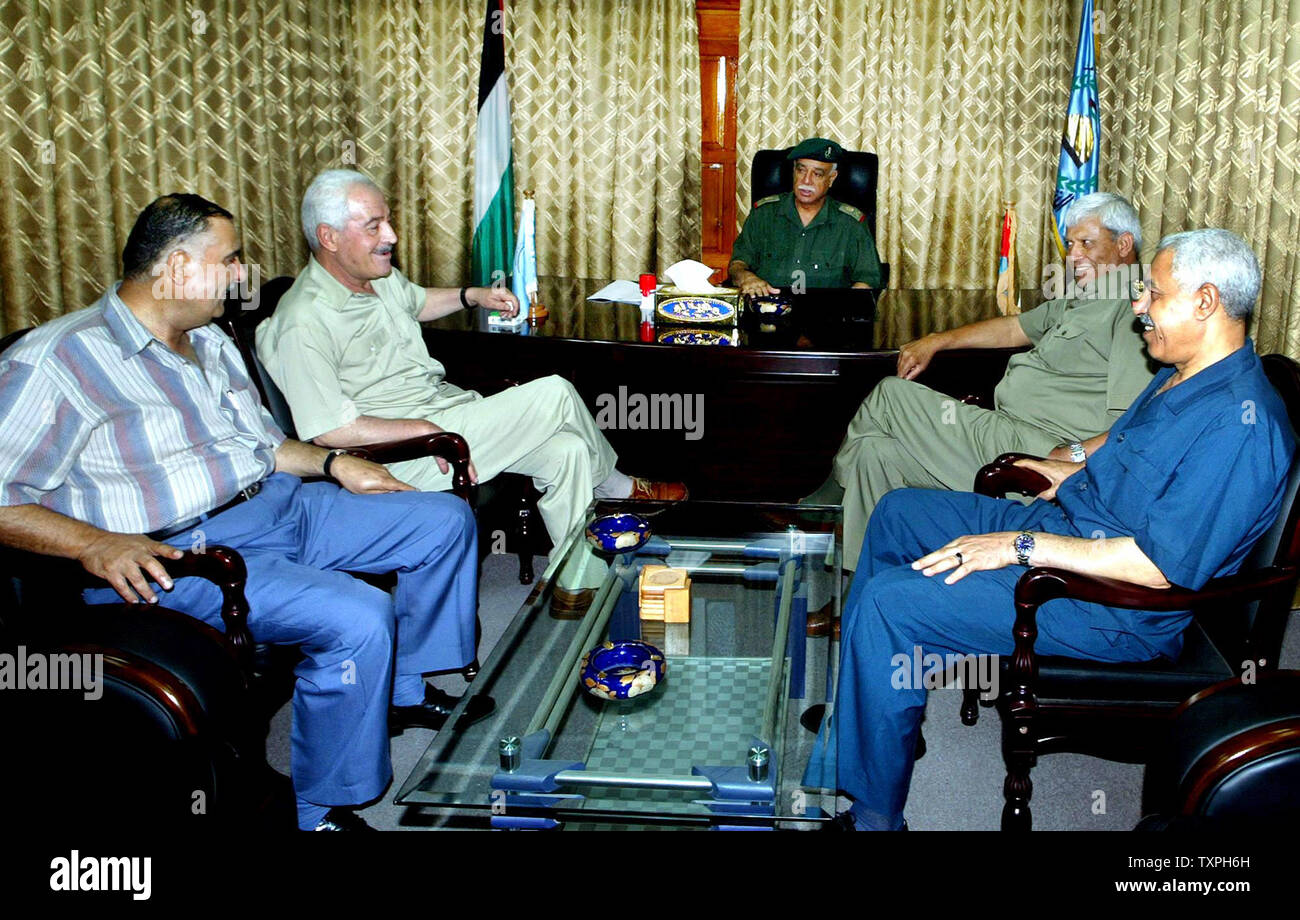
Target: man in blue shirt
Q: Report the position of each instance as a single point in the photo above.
(1186, 482)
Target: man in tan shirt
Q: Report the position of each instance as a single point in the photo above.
(345, 347)
(1059, 398)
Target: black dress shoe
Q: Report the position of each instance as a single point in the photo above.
(342, 819)
(433, 712)
(841, 822)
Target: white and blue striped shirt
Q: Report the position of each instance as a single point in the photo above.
(103, 423)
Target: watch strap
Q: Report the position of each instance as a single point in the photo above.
(330, 458)
(464, 301)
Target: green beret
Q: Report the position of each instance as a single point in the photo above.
(816, 148)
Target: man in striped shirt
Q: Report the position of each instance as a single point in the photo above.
(132, 427)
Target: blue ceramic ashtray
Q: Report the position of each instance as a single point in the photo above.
(618, 533)
(695, 337)
(771, 306)
(696, 310)
(622, 670)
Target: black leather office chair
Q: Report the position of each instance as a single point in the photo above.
(771, 174)
(241, 321)
(1122, 711)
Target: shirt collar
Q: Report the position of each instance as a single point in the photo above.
(824, 215)
(1214, 376)
(129, 333)
(132, 337)
(333, 293)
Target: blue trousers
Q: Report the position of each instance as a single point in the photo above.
(892, 610)
(362, 647)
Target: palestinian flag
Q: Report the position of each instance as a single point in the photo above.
(494, 178)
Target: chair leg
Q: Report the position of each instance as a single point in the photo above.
(470, 671)
(970, 705)
(523, 536)
(1017, 790)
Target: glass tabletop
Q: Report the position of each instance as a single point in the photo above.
(721, 591)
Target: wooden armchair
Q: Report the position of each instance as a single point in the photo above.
(175, 736)
(1123, 711)
(240, 321)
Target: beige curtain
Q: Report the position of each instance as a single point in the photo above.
(606, 105)
(964, 102)
(417, 77)
(1200, 104)
(106, 104)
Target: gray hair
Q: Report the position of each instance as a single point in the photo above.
(1112, 211)
(326, 201)
(1217, 257)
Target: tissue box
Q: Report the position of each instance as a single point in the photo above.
(721, 308)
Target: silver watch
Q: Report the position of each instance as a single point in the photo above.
(1077, 453)
(1024, 546)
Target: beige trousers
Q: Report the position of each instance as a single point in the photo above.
(541, 429)
(908, 435)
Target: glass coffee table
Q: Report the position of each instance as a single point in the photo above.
(717, 741)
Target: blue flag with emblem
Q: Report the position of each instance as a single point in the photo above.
(1076, 174)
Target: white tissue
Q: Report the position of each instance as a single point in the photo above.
(691, 277)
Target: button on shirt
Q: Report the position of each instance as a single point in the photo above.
(101, 422)
(1087, 364)
(1194, 475)
(337, 354)
(834, 250)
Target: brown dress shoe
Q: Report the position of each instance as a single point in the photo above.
(821, 623)
(644, 490)
(571, 605)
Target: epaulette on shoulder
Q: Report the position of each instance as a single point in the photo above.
(768, 200)
(851, 211)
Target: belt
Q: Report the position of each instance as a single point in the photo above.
(241, 496)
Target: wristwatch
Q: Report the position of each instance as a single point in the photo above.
(330, 458)
(1077, 453)
(1024, 546)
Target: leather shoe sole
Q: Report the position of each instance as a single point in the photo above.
(821, 623)
(435, 709)
(571, 605)
(342, 819)
(644, 490)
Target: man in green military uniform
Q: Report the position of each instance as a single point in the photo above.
(799, 239)
(1058, 399)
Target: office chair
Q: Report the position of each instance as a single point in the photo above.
(1122, 711)
(1232, 758)
(771, 174)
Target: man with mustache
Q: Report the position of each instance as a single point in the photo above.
(798, 239)
(1184, 484)
(1086, 366)
(345, 347)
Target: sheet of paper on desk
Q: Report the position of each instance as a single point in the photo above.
(619, 292)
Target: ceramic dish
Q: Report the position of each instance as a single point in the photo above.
(622, 670)
(618, 533)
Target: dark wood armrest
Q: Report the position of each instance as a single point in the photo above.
(224, 567)
(1001, 476)
(446, 444)
(1042, 584)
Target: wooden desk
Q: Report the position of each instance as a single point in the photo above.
(774, 408)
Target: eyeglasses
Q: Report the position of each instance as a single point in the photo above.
(1137, 289)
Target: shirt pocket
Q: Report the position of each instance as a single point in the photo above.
(1142, 481)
